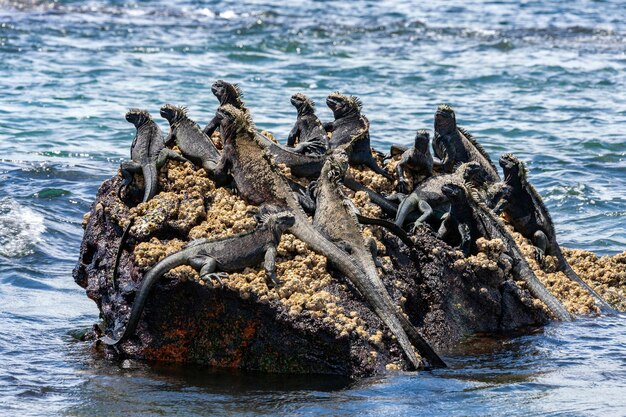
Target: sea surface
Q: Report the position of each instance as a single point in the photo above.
(544, 80)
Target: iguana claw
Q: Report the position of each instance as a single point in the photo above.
(215, 275)
(273, 280)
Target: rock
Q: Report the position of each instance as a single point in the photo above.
(314, 323)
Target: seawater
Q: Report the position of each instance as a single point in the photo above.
(544, 80)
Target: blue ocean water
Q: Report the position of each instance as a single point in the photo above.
(544, 80)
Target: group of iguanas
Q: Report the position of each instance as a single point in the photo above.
(457, 191)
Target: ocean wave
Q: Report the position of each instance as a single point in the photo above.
(20, 228)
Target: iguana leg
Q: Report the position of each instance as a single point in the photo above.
(270, 266)
(166, 154)
(466, 238)
(396, 197)
(407, 206)
(207, 267)
(540, 240)
(403, 186)
(426, 210)
(128, 168)
(443, 231)
(374, 249)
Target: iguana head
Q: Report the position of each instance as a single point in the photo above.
(337, 166)
(227, 93)
(276, 218)
(233, 121)
(474, 173)
(137, 117)
(445, 119)
(342, 105)
(302, 103)
(454, 192)
(422, 140)
(173, 113)
(512, 167)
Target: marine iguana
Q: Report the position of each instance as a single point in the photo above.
(417, 160)
(308, 130)
(259, 181)
(428, 196)
(228, 254)
(194, 145)
(226, 93)
(301, 165)
(335, 217)
(453, 145)
(459, 220)
(351, 126)
(473, 219)
(147, 152)
(526, 212)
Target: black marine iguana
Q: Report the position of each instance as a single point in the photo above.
(428, 196)
(473, 219)
(193, 144)
(453, 145)
(335, 217)
(228, 254)
(226, 93)
(351, 126)
(147, 152)
(417, 160)
(259, 181)
(301, 165)
(308, 130)
(528, 215)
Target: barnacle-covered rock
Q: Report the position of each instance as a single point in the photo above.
(315, 322)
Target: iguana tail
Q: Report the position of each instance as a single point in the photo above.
(313, 238)
(392, 227)
(149, 279)
(565, 267)
(388, 207)
(118, 254)
(150, 180)
(522, 271)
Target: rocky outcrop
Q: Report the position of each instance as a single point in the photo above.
(315, 322)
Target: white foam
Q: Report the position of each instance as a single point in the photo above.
(20, 228)
(228, 14)
(207, 12)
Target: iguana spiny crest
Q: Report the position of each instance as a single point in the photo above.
(342, 105)
(303, 104)
(238, 120)
(473, 173)
(228, 93)
(338, 166)
(173, 113)
(275, 218)
(137, 117)
(511, 165)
